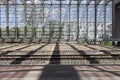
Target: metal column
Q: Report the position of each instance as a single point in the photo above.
(51, 27)
(60, 20)
(87, 24)
(7, 18)
(0, 23)
(104, 21)
(113, 21)
(43, 29)
(33, 22)
(69, 24)
(113, 17)
(25, 16)
(16, 21)
(95, 39)
(78, 20)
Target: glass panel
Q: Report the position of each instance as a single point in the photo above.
(3, 20)
(82, 21)
(73, 22)
(12, 20)
(65, 21)
(21, 20)
(109, 20)
(91, 22)
(100, 22)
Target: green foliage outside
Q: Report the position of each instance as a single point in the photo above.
(108, 43)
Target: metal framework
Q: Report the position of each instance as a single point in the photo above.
(76, 20)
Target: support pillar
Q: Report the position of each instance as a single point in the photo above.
(0, 24)
(16, 22)
(104, 21)
(43, 28)
(69, 24)
(95, 39)
(7, 19)
(25, 28)
(87, 24)
(60, 20)
(78, 21)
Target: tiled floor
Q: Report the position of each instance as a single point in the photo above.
(60, 72)
(57, 72)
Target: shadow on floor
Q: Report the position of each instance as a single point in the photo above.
(83, 54)
(59, 72)
(6, 52)
(8, 47)
(110, 72)
(56, 53)
(24, 57)
(90, 47)
(104, 51)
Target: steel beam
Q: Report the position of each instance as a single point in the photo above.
(116, 1)
(32, 1)
(4, 1)
(22, 1)
(107, 1)
(13, 1)
(88, 2)
(70, 1)
(97, 2)
(42, 1)
(79, 2)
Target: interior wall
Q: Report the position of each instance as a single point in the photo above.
(116, 27)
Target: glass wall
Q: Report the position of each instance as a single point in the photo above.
(56, 19)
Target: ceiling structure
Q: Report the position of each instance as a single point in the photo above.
(60, 1)
(116, 1)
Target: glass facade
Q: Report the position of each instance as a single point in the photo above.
(56, 19)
